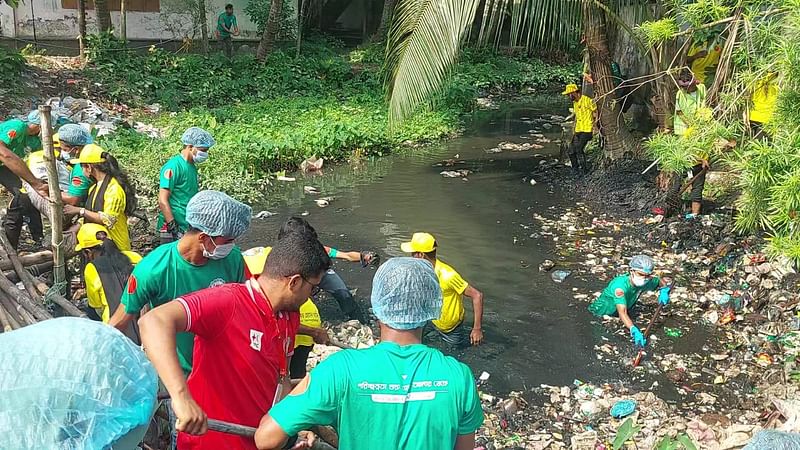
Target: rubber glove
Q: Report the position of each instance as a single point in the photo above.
(638, 337)
(663, 295)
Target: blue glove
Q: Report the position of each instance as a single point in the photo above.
(638, 337)
(663, 295)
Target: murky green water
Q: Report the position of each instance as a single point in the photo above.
(483, 227)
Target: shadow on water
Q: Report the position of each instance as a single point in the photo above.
(534, 333)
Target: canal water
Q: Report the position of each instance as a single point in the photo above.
(534, 333)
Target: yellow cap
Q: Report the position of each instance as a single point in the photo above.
(255, 258)
(56, 141)
(87, 236)
(570, 89)
(420, 243)
(90, 154)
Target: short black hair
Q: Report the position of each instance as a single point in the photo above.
(229, 6)
(297, 253)
(296, 225)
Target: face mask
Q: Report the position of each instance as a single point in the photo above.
(200, 157)
(639, 281)
(220, 251)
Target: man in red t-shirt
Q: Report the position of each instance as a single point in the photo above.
(244, 337)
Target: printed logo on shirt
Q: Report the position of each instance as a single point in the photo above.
(12, 134)
(216, 282)
(255, 339)
(131, 284)
(168, 174)
(76, 181)
(619, 292)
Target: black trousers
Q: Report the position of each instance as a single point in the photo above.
(576, 154)
(19, 208)
(698, 184)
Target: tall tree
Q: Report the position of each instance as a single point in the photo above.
(201, 9)
(103, 15)
(267, 42)
(82, 27)
(386, 20)
(618, 139)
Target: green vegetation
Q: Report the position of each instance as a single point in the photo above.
(12, 64)
(269, 117)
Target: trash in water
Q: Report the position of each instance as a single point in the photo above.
(264, 215)
(533, 182)
(285, 178)
(559, 275)
(623, 408)
(460, 173)
(546, 265)
(310, 190)
(311, 164)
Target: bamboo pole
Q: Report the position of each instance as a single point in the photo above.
(25, 318)
(56, 205)
(37, 311)
(9, 252)
(30, 259)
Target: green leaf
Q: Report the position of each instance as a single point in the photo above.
(686, 441)
(625, 431)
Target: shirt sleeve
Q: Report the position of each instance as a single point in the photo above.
(472, 416)
(209, 310)
(79, 184)
(114, 201)
(318, 405)
(9, 135)
(618, 294)
(139, 289)
(94, 288)
(454, 281)
(166, 178)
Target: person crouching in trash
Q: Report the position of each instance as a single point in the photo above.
(624, 290)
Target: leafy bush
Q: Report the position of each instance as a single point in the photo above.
(12, 65)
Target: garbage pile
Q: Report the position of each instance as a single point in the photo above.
(350, 334)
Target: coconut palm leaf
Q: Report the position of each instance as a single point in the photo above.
(423, 43)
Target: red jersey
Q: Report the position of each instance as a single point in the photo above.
(240, 349)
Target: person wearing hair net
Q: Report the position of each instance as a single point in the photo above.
(244, 338)
(399, 394)
(178, 183)
(14, 135)
(204, 257)
(624, 291)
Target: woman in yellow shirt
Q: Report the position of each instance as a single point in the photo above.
(763, 101)
(106, 272)
(112, 197)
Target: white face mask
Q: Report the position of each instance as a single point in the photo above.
(639, 281)
(200, 157)
(220, 251)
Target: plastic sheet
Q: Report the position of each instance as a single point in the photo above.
(71, 383)
(774, 440)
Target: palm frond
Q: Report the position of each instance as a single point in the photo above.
(423, 43)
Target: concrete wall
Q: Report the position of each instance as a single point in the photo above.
(54, 22)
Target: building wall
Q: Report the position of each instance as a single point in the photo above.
(55, 22)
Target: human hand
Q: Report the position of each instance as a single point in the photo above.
(321, 336)
(42, 189)
(368, 258)
(663, 295)
(172, 228)
(476, 336)
(705, 164)
(190, 418)
(305, 440)
(638, 337)
(71, 210)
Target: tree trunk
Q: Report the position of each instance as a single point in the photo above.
(123, 20)
(301, 14)
(103, 15)
(201, 5)
(618, 139)
(82, 28)
(386, 21)
(268, 38)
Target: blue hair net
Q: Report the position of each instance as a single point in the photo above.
(197, 137)
(74, 134)
(406, 293)
(216, 214)
(36, 119)
(643, 263)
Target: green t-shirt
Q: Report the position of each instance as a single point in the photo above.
(78, 184)
(14, 134)
(180, 177)
(163, 275)
(416, 396)
(620, 291)
(228, 21)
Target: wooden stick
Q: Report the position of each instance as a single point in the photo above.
(16, 311)
(56, 205)
(9, 252)
(231, 428)
(20, 297)
(4, 320)
(638, 358)
(28, 260)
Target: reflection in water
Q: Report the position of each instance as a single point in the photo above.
(483, 226)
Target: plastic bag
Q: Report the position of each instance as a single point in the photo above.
(774, 440)
(71, 383)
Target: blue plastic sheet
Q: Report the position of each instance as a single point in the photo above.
(774, 440)
(72, 383)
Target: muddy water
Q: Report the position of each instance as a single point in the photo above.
(534, 332)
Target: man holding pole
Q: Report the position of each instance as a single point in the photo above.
(244, 337)
(583, 108)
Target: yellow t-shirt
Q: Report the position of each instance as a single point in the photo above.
(94, 287)
(255, 258)
(702, 65)
(584, 108)
(764, 98)
(453, 287)
(113, 213)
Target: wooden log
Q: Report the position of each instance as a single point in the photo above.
(28, 260)
(18, 313)
(37, 311)
(10, 253)
(35, 270)
(4, 320)
(327, 434)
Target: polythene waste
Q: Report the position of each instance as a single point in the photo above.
(71, 383)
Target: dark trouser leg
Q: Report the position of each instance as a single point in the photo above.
(297, 365)
(227, 46)
(579, 141)
(333, 284)
(35, 217)
(458, 336)
(573, 155)
(698, 185)
(12, 222)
